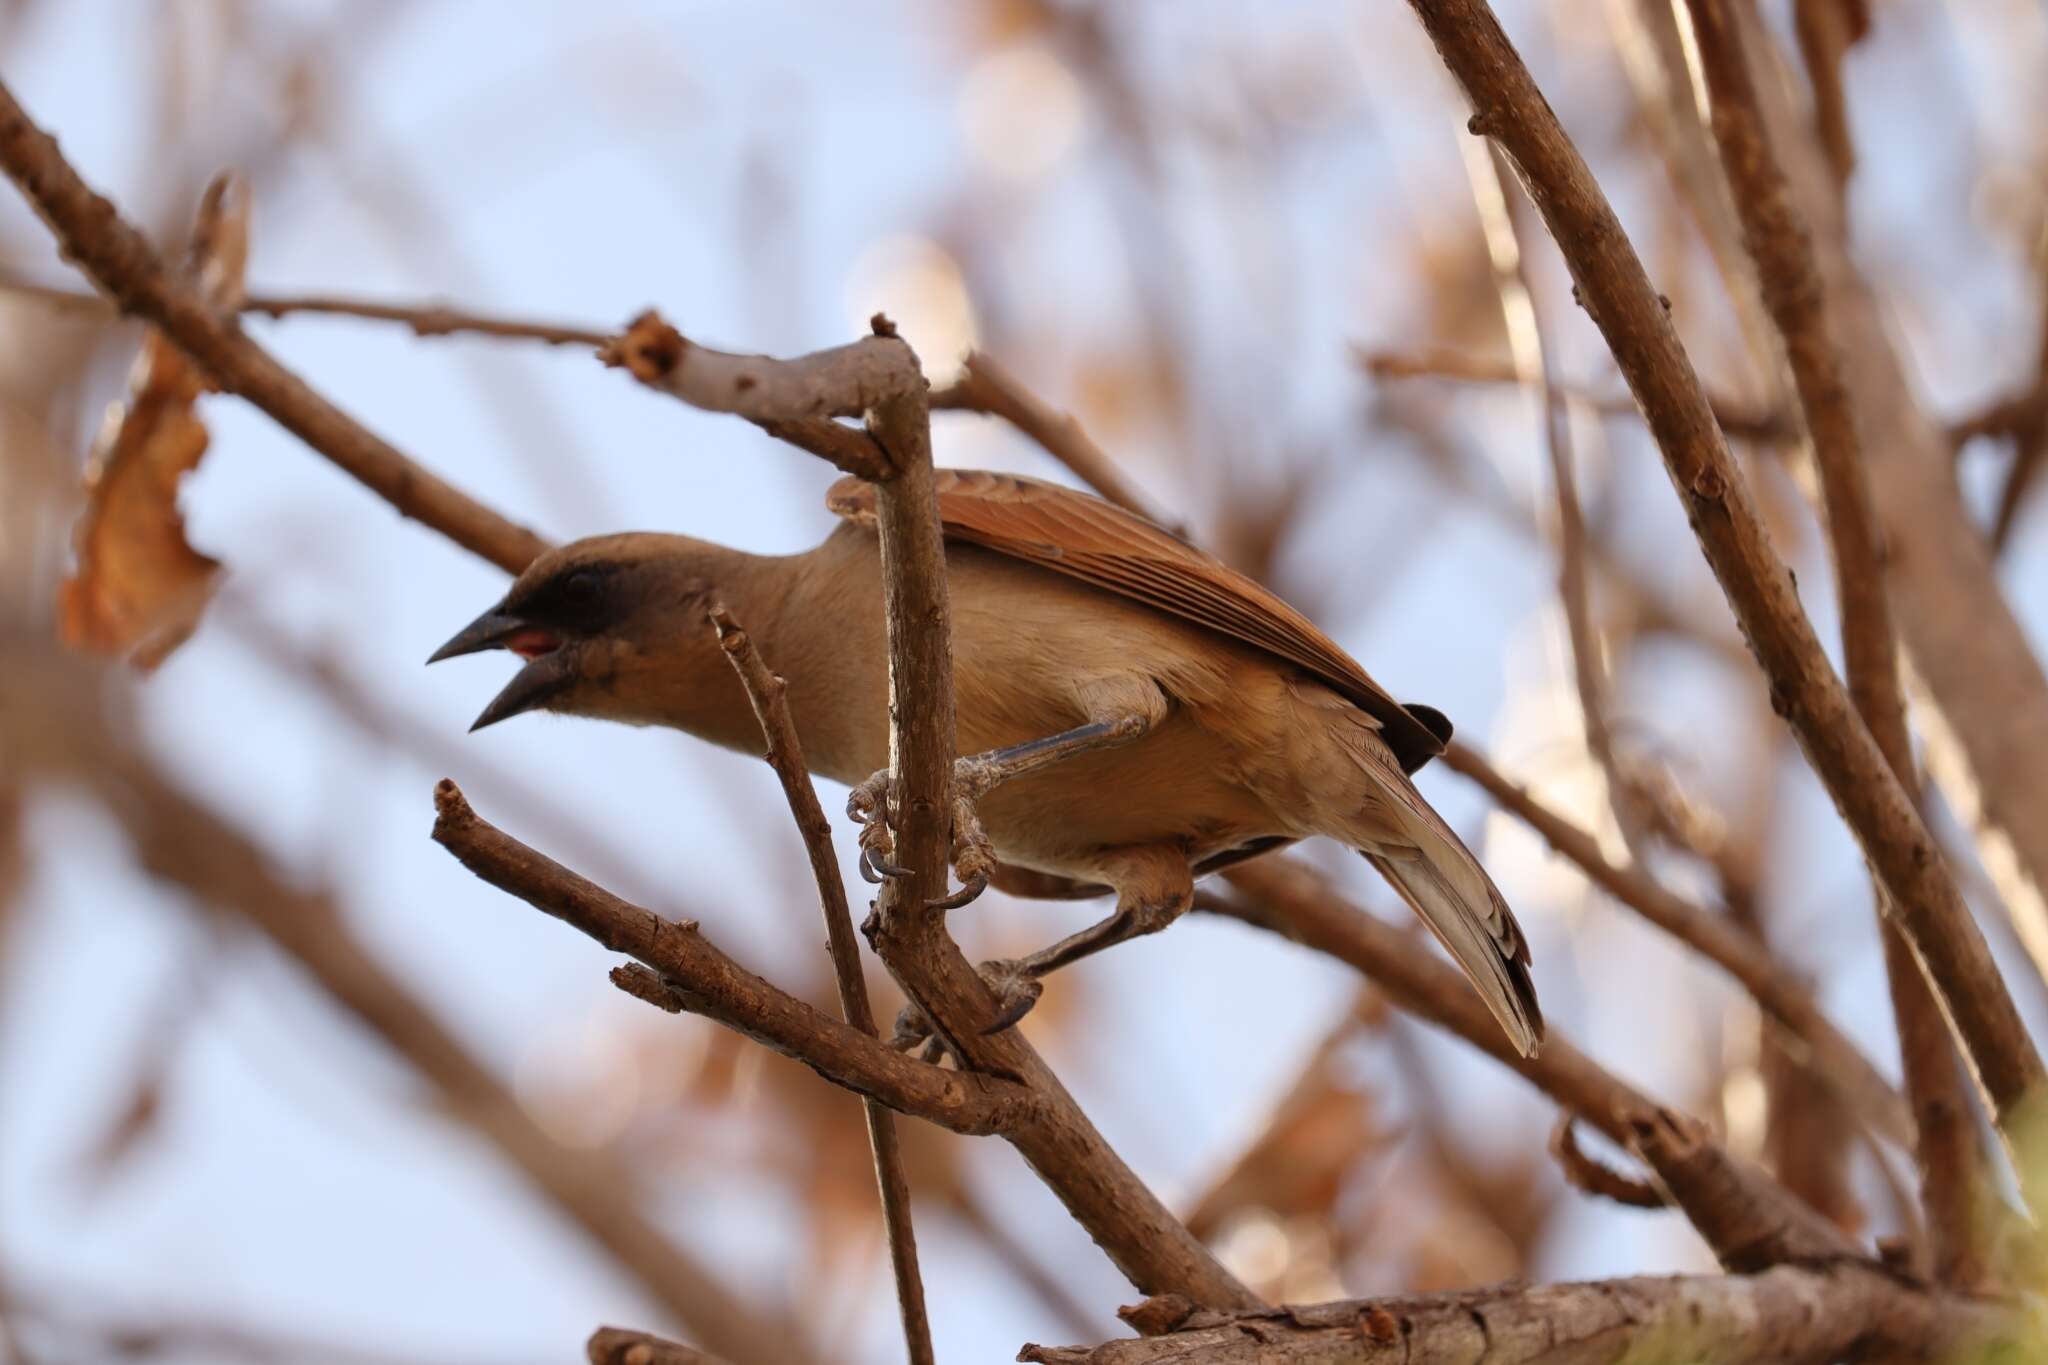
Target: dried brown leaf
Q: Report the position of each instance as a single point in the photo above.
(139, 587)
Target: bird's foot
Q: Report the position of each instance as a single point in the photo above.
(1016, 990)
(873, 805)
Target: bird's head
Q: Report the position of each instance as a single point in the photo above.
(612, 627)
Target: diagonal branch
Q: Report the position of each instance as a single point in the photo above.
(1728, 1200)
(701, 979)
(1804, 688)
(987, 388)
(120, 261)
(1720, 940)
(785, 755)
(1779, 241)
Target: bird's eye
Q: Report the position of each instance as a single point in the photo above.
(579, 589)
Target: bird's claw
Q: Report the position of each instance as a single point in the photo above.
(872, 804)
(974, 857)
(874, 871)
(971, 888)
(869, 805)
(1016, 990)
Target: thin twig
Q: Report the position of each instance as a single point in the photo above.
(1739, 423)
(1503, 231)
(1617, 294)
(767, 692)
(427, 320)
(122, 262)
(424, 319)
(986, 387)
(1781, 995)
(1583, 1172)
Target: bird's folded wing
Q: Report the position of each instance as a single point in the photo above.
(1086, 538)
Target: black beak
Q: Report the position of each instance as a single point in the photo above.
(531, 686)
(488, 631)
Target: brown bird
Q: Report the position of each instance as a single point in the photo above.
(1140, 712)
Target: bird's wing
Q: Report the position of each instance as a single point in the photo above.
(1086, 538)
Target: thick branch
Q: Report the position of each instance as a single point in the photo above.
(1778, 240)
(1752, 1224)
(1719, 939)
(1785, 1316)
(93, 234)
(767, 692)
(1804, 689)
(793, 400)
(718, 988)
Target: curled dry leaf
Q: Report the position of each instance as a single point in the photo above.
(138, 587)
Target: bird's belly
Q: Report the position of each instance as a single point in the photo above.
(1174, 787)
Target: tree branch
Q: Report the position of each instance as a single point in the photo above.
(987, 388)
(1583, 1172)
(785, 755)
(423, 319)
(1787, 999)
(1738, 423)
(709, 983)
(1788, 277)
(1789, 1315)
(119, 260)
(1804, 689)
(1751, 1223)
(792, 400)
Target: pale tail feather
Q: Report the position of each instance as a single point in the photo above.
(1497, 965)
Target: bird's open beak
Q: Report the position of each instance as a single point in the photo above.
(550, 663)
(489, 631)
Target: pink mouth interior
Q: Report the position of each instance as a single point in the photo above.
(531, 643)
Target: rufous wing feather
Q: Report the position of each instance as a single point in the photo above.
(1072, 533)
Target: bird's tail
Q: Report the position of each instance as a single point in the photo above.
(1445, 885)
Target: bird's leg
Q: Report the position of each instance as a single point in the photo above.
(871, 803)
(1155, 887)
